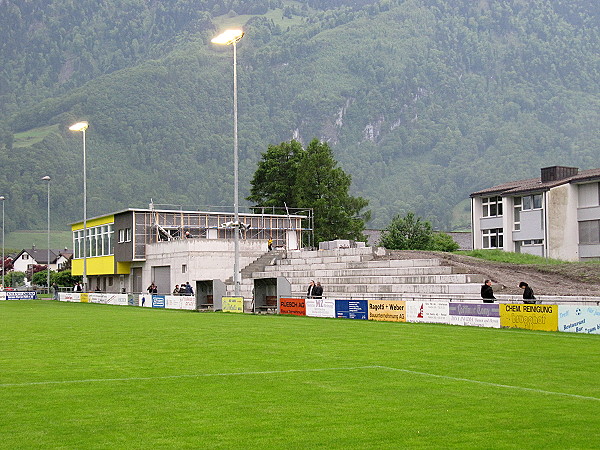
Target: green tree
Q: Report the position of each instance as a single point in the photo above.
(443, 242)
(407, 233)
(289, 175)
(40, 278)
(64, 278)
(14, 279)
(273, 181)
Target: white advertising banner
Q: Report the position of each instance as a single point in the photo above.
(320, 307)
(172, 302)
(427, 312)
(117, 299)
(579, 319)
(69, 296)
(475, 314)
(188, 302)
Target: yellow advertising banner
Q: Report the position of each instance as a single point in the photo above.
(387, 310)
(84, 298)
(232, 304)
(530, 317)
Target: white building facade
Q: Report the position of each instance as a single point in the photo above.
(556, 215)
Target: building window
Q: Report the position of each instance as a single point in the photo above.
(589, 232)
(492, 206)
(517, 213)
(183, 268)
(529, 202)
(493, 238)
(124, 235)
(99, 241)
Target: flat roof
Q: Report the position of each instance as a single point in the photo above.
(180, 211)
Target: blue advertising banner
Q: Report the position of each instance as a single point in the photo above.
(16, 295)
(158, 301)
(352, 309)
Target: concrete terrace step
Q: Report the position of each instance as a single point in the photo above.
(352, 264)
(374, 289)
(459, 278)
(310, 272)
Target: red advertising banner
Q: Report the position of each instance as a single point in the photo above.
(295, 306)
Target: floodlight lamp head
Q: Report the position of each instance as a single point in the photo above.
(46, 178)
(79, 126)
(228, 37)
(2, 198)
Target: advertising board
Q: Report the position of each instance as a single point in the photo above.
(387, 310)
(232, 304)
(530, 317)
(475, 314)
(320, 307)
(579, 319)
(352, 309)
(158, 301)
(427, 312)
(294, 306)
(25, 295)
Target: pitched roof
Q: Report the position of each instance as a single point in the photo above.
(536, 185)
(40, 255)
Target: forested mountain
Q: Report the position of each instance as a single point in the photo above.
(422, 101)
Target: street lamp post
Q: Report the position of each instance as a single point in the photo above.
(2, 198)
(232, 37)
(47, 179)
(82, 126)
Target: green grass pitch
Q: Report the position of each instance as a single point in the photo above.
(83, 376)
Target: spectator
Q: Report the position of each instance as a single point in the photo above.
(176, 290)
(528, 297)
(311, 289)
(55, 287)
(318, 290)
(188, 288)
(487, 292)
(77, 287)
(152, 289)
(270, 244)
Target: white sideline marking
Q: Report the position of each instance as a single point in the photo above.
(275, 372)
(487, 383)
(171, 377)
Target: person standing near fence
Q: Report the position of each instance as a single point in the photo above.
(528, 297)
(318, 290)
(487, 292)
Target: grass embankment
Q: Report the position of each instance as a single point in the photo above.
(78, 375)
(586, 272)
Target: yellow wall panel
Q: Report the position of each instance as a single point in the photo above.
(94, 222)
(530, 317)
(98, 265)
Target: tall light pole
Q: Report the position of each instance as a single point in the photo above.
(2, 198)
(82, 126)
(232, 37)
(47, 179)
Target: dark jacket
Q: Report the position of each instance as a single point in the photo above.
(318, 292)
(487, 292)
(528, 296)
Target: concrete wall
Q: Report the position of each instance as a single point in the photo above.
(563, 231)
(204, 259)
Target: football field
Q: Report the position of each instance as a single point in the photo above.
(76, 375)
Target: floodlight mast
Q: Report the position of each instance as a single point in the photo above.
(82, 126)
(232, 37)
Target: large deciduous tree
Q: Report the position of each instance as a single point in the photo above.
(289, 175)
